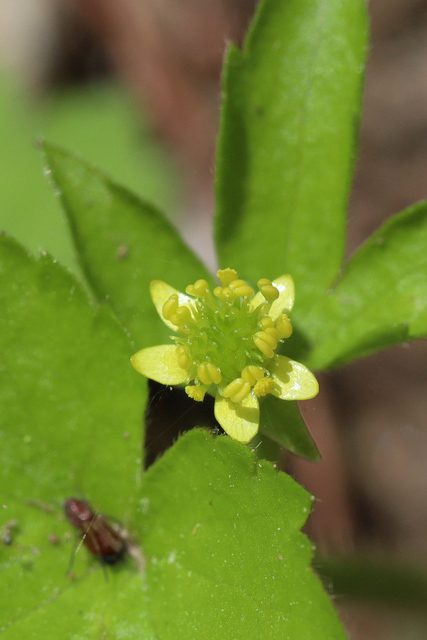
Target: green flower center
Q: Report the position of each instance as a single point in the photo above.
(226, 337)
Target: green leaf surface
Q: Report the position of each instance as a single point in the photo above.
(287, 139)
(71, 411)
(225, 555)
(281, 421)
(123, 244)
(381, 298)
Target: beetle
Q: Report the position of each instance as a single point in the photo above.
(98, 536)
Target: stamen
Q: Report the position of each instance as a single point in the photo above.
(225, 294)
(237, 390)
(241, 289)
(252, 373)
(272, 331)
(283, 326)
(263, 346)
(200, 289)
(170, 306)
(263, 387)
(208, 373)
(268, 290)
(196, 392)
(268, 338)
(215, 373)
(184, 358)
(266, 322)
(226, 276)
(181, 316)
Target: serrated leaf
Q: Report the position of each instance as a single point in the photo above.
(381, 298)
(70, 424)
(282, 422)
(286, 147)
(224, 548)
(123, 243)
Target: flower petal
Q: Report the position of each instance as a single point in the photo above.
(160, 364)
(285, 301)
(160, 292)
(239, 419)
(293, 380)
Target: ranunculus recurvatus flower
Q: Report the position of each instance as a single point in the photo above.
(226, 346)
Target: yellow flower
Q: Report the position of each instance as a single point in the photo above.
(226, 346)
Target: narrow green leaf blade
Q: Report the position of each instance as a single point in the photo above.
(287, 138)
(282, 422)
(381, 298)
(224, 548)
(71, 410)
(123, 243)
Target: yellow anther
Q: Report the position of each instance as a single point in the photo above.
(208, 373)
(273, 332)
(199, 289)
(262, 345)
(170, 306)
(184, 358)
(252, 373)
(263, 387)
(225, 294)
(203, 374)
(195, 392)
(181, 316)
(283, 326)
(235, 284)
(214, 372)
(268, 290)
(237, 390)
(245, 292)
(241, 289)
(266, 322)
(268, 338)
(226, 276)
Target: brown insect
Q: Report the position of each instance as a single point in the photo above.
(97, 534)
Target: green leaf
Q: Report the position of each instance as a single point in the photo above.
(123, 244)
(381, 298)
(71, 411)
(287, 139)
(281, 421)
(224, 548)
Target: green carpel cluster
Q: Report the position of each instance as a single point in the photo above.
(225, 338)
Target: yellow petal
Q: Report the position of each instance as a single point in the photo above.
(285, 301)
(292, 380)
(160, 292)
(239, 419)
(160, 364)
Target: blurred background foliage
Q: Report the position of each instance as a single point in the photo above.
(99, 123)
